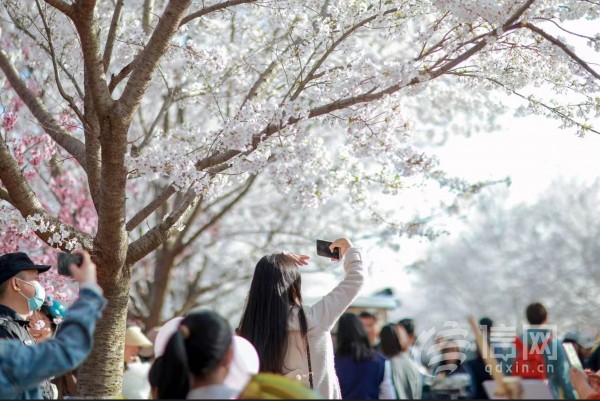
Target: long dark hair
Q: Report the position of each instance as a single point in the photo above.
(275, 289)
(389, 341)
(200, 344)
(352, 339)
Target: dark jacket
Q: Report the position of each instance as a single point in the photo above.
(360, 380)
(12, 326)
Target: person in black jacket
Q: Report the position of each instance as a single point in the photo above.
(21, 295)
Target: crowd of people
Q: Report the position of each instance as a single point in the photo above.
(281, 348)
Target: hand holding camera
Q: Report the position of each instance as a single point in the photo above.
(78, 265)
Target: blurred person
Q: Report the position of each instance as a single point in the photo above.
(369, 321)
(456, 377)
(20, 372)
(582, 343)
(477, 366)
(21, 294)
(135, 375)
(147, 354)
(197, 359)
(154, 375)
(363, 373)
(540, 356)
(593, 362)
(586, 383)
(422, 359)
(290, 338)
(407, 380)
(43, 326)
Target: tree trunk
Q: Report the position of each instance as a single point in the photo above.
(101, 375)
(162, 274)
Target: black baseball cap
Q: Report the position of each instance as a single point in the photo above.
(13, 263)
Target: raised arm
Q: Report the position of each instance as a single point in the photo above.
(328, 309)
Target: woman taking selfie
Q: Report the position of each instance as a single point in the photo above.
(290, 338)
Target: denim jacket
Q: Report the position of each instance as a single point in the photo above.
(22, 368)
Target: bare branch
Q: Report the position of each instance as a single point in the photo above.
(24, 199)
(564, 48)
(61, 90)
(69, 143)
(148, 60)
(112, 34)
(213, 8)
(60, 5)
(150, 208)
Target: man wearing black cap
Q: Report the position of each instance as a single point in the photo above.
(23, 367)
(20, 295)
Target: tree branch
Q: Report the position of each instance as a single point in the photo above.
(69, 143)
(563, 47)
(87, 28)
(155, 49)
(60, 5)
(65, 71)
(150, 208)
(135, 150)
(116, 79)
(112, 34)
(161, 232)
(180, 244)
(213, 8)
(5, 196)
(59, 86)
(24, 199)
(330, 50)
(529, 99)
(147, 16)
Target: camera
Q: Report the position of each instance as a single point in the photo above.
(65, 260)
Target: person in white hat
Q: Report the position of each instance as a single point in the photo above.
(135, 376)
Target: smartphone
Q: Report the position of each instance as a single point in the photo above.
(572, 356)
(323, 250)
(65, 260)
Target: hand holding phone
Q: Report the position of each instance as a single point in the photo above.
(323, 249)
(65, 260)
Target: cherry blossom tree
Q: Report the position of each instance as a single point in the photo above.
(171, 104)
(540, 252)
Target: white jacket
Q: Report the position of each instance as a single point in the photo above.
(321, 318)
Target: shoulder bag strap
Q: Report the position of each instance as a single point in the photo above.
(310, 371)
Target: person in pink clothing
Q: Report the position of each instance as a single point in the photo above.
(293, 339)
